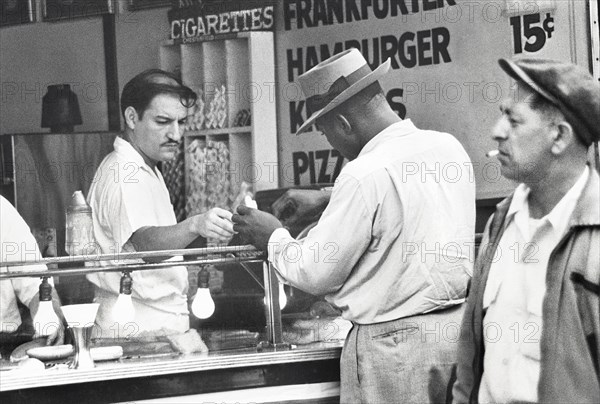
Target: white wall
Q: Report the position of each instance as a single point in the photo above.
(139, 35)
(32, 56)
(49, 168)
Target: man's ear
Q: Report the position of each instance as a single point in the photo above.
(343, 123)
(564, 135)
(131, 117)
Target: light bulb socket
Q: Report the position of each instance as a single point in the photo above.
(45, 290)
(203, 278)
(126, 284)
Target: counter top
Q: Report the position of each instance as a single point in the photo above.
(13, 378)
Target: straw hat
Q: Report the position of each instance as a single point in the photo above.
(334, 81)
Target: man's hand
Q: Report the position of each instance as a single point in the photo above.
(216, 223)
(57, 337)
(255, 226)
(300, 205)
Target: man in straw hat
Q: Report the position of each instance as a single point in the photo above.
(532, 322)
(392, 244)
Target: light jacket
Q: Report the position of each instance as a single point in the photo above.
(570, 340)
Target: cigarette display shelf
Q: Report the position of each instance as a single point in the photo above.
(230, 134)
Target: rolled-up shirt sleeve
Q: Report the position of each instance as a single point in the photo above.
(320, 263)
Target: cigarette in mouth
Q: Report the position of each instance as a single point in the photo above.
(492, 153)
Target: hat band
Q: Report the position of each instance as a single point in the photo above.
(320, 101)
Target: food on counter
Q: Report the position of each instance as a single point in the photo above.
(38, 350)
(188, 342)
(31, 364)
(20, 352)
(50, 353)
(137, 347)
(220, 339)
(106, 353)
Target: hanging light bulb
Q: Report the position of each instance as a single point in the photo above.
(282, 297)
(123, 311)
(45, 320)
(203, 305)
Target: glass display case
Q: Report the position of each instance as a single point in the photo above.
(299, 360)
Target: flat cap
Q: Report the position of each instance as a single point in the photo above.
(571, 88)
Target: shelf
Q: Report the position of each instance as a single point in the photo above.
(220, 131)
(234, 79)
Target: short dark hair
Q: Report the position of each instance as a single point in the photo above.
(541, 104)
(141, 90)
(551, 111)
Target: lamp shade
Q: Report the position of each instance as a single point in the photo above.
(60, 109)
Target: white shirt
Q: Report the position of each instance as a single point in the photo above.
(126, 195)
(17, 244)
(514, 296)
(396, 238)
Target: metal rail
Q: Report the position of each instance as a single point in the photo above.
(200, 256)
(123, 255)
(84, 270)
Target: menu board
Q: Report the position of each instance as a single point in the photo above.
(444, 71)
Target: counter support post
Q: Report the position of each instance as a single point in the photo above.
(272, 310)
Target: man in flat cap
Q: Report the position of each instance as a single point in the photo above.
(392, 249)
(531, 330)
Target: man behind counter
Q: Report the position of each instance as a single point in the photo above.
(17, 244)
(132, 210)
(389, 247)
